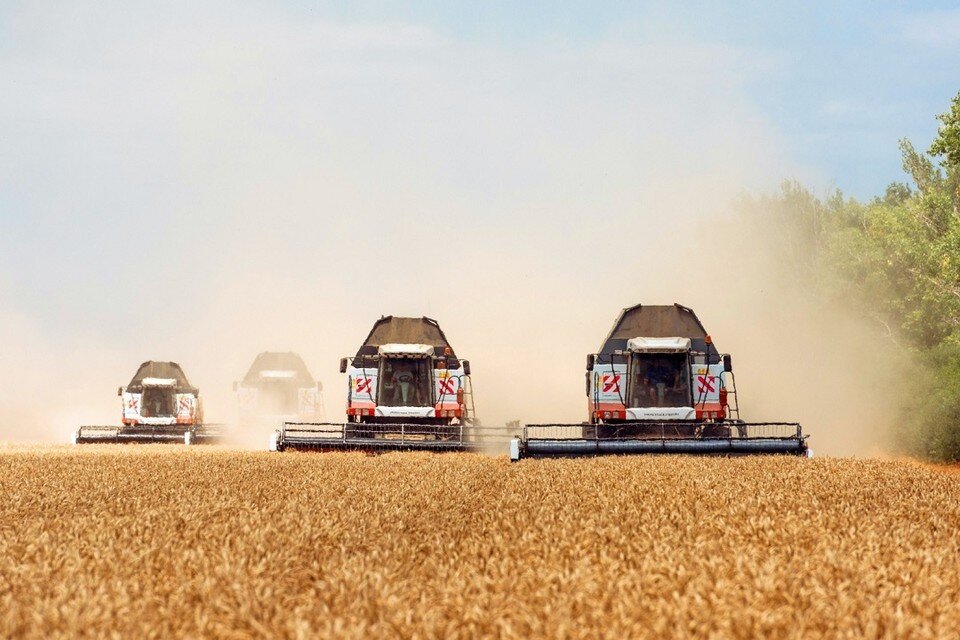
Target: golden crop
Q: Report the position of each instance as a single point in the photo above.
(141, 541)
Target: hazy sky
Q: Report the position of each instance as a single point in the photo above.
(202, 182)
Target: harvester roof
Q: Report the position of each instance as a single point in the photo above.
(161, 370)
(275, 362)
(397, 330)
(656, 321)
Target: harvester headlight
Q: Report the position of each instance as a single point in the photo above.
(606, 415)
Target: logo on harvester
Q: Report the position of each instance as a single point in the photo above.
(448, 386)
(611, 383)
(363, 384)
(133, 404)
(706, 384)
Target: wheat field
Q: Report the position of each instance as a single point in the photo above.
(160, 541)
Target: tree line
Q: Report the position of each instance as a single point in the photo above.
(895, 261)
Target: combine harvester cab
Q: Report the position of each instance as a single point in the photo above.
(159, 405)
(278, 388)
(406, 390)
(659, 385)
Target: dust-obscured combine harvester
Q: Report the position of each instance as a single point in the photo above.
(406, 390)
(278, 388)
(159, 405)
(659, 385)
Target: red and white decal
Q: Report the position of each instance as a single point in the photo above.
(308, 403)
(706, 384)
(447, 384)
(608, 388)
(363, 387)
(611, 383)
(131, 407)
(186, 407)
(707, 381)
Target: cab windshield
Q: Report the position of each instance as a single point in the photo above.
(659, 380)
(279, 397)
(405, 382)
(158, 402)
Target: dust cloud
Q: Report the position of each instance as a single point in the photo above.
(798, 355)
(795, 358)
(287, 193)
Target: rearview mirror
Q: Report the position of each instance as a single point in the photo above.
(343, 365)
(727, 363)
(119, 391)
(466, 367)
(591, 360)
(319, 386)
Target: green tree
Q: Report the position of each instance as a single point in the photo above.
(947, 147)
(895, 260)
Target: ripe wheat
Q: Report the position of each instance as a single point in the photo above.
(156, 541)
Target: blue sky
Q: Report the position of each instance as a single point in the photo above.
(189, 180)
(845, 80)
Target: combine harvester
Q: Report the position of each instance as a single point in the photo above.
(159, 405)
(406, 390)
(278, 388)
(659, 385)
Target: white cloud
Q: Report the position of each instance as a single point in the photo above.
(933, 28)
